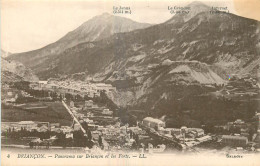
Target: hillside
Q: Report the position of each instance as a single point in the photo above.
(95, 29)
(12, 71)
(5, 54)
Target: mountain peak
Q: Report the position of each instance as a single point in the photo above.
(105, 14)
(196, 7)
(197, 4)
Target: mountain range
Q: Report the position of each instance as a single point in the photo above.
(153, 65)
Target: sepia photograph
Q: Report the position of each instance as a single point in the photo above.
(128, 82)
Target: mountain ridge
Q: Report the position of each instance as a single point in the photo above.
(97, 28)
(182, 44)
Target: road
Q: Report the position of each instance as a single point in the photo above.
(74, 118)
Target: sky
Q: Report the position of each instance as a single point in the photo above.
(28, 25)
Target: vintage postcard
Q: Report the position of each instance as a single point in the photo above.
(130, 82)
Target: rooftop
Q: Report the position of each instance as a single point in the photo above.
(153, 120)
(234, 137)
(26, 122)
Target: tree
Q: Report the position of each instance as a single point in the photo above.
(60, 97)
(100, 141)
(89, 135)
(54, 96)
(131, 134)
(136, 139)
(68, 96)
(86, 97)
(134, 145)
(85, 125)
(78, 98)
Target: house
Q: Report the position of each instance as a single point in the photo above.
(57, 130)
(107, 112)
(27, 124)
(239, 121)
(197, 131)
(88, 120)
(69, 135)
(42, 84)
(164, 131)
(71, 104)
(204, 138)
(153, 123)
(11, 100)
(89, 103)
(76, 126)
(66, 129)
(191, 143)
(175, 131)
(42, 129)
(9, 93)
(55, 124)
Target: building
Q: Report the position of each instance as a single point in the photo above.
(106, 87)
(27, 124)
(164, 131)
(235, 140)
(69, 135)
(175, 131)
(55, 124)
(204, 138)
(107, 112)
(153, 123)
(43, 129)
(42, 84)
(198, 131)
(89, 104)
(71, 104)
(76, 126)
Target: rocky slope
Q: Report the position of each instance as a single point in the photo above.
(5, 54)
(12, 71)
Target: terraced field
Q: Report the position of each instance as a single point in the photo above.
(53, 112)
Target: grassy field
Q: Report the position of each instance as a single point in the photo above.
(12, 141)
(53, 112)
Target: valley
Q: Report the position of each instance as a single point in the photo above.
(194, 75)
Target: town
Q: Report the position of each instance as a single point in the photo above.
(94, 124)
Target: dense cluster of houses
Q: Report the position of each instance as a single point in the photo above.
(189, 136)
(73, 87)
(33, 126)
(241, 136)
(91, 111)
(116, 135)
(113, 135)
(195, 136)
